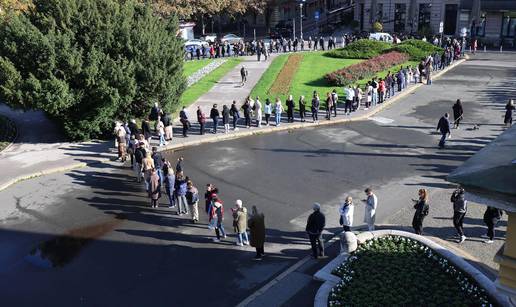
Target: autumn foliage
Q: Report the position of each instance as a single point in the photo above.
(366, 69)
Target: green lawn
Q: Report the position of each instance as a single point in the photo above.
(205, 84)
(264, 84)
(190, 67)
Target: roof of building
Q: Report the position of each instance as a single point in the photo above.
(490, 5)
(491, 173)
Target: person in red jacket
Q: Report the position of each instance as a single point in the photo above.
(381, 91)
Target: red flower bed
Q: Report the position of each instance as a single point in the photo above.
(366, 69)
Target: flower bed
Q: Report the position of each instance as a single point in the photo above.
(366, 69)
(284, 79)
(398, 271)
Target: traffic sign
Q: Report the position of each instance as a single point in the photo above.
(464, 32)
(316, 15)
(441, 27)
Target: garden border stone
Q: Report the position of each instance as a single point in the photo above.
(321, 298)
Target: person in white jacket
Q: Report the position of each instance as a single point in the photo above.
(370, 210)
(258, 112)
(346, 213)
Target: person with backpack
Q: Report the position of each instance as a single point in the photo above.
(491, 217)
(139, 154)
(422, 209)
(216, 218)
(334, 101)
(214, 115)
(346, 214)
(233, 111)
(459, 212)
(314, 227)
(192, 198)
(201, 118)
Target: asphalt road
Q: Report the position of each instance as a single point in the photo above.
(143, 256)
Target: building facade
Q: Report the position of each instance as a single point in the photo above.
(491, 21)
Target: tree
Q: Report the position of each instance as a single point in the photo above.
(189, 8)
(87, 63)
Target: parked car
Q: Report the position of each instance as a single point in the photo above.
(197, 42)
(231, 39)
(210, 37)
(379, 36)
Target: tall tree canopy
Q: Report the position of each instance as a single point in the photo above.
(189, 8)
(89, 62)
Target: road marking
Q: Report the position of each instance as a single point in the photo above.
(381, 120)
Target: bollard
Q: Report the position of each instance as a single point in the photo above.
(501, 48)
(484, 48)
(348, 242)
(469, 49)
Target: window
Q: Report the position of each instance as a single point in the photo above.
(400, 15)
(509, 25)
(424, 16)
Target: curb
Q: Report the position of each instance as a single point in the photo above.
(294, 126)
(321, 298)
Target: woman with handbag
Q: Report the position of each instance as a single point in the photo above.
(346, 214)
(422, 208)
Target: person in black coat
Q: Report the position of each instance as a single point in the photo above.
(184, 120)
(290, 109)
(247, 113)
(225, 118)
(214, 115)
(457, 113)
(147, 134)
(302, 108)
(491, 218)
(314, 228)
(134, 129)
(422, 208)
(444, 127)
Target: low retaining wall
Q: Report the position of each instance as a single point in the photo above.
(330, 280)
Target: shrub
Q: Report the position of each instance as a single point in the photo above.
(398, 271)
(377, 26)
(416, 49)
(361, 49)
(89, 62)
(366, 69)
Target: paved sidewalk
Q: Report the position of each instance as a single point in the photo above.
(40, 149)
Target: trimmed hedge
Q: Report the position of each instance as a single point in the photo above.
(361, 49)
(366, 69)
(417, 49)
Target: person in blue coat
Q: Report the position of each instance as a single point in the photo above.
(444, 128)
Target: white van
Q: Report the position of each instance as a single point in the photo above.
(379, 36)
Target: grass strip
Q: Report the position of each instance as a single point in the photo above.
(284, 79)
(7, 132)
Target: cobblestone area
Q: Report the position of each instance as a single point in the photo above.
(201, 73)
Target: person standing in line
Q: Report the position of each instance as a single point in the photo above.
(346, 213)
(302, 108)
(329, 105)
(208, 196)
(458, 113)
(201, 118)
(147, 167)
(290, 109)
(240, 223)
(154, 114)
(180, 186)
(243, 74)
(444, 127)
(374, 92)
(334, 101)
(422, 208)
(371, 204)
(169, 182)
(314, 227)
(184, 121)
(246, 107)
(120, 134)
(225, 118)
(235, 114)
(133, 144)
(168, 127)
(154, 188)
(179, 165)
(161, 132)
(348, 106)
(258, 112)
(509, 108)
(315, 107)
(267, 110)
(139, 155)
(192, 198)
(146, 130)
(214, 115)
(369, 95)
(278, 109)
(158, 163)
(217, 218)
(491, 217)
(459, 212)
(256, 225)
(358, 96)
(381, 90)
